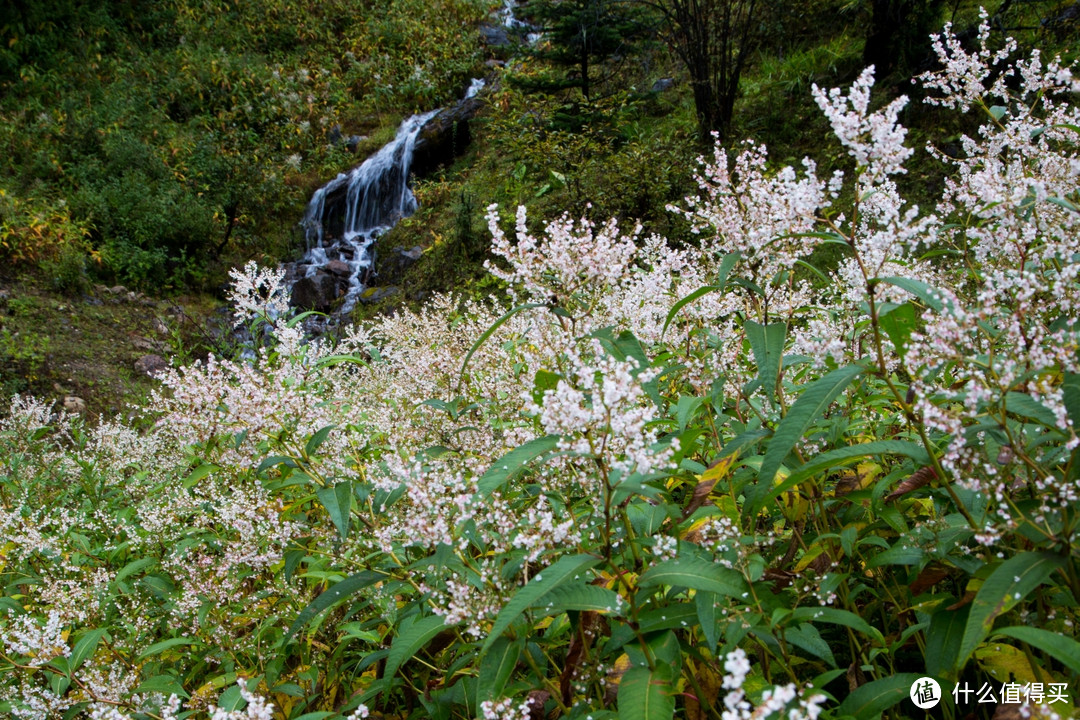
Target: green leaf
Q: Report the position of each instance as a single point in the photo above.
(411, 639)
(316, 440)
(998, 111)
(1062, 648)
(166, 644)
(1010, 582)
(767, 342)
(898, 555)
(544, 380)
(1024, 405)
(337, 593)
(943, 639)
(836, 616)
(925, 292)
(164, 684)
(497, 667)
(578, 597)
(851, 452)
(694, 573)
(647, 694)
(563, 570)
(133, 567)
(84, 648)
(331, 360)
(513, 462)
(870, 700)
(806, 637)
(1070, 390)
(198, 474)
(1064, 202)
(338, 503)
(898, 324)
(490, 331)
(231, 699)
(721, 280)
(705, 603)
(812, 403)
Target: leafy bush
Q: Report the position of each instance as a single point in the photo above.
(31, 231)
(664, 481)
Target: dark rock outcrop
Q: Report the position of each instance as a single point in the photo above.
(150, 364)
(318, 292)
(390, 265)
(445, 136)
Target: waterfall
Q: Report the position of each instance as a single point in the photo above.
(375, 196)
(346, 216)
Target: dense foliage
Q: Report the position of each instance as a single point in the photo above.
(662, 481)
(161, 135)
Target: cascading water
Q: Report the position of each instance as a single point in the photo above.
(346, 216)
(376, 196)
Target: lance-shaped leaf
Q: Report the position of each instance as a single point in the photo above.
(696, 574)
(1064, 649)
(646, 694)
(812, 403)
(563, 570)
(337, 593)
(338, 503)
(767, 343)
(721, 281)
(873, 698)
(410, 640)
(514, 462)
(1010, 583)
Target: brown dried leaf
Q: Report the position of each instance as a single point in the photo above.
(780, 578)
(916, 480)
(588, 625)
(968, 597)
(709, 683)
(536, 700)
(930, 576)
(855, 676)
(614, 677)
(709, 478)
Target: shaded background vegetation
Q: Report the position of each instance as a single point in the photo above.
(157, 144)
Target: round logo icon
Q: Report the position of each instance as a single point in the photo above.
(925, 693)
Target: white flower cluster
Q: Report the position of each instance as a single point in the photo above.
(24, 637)
(504, 709)
(782, 701)
(258, 293)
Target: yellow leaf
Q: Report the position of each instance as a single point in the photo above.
(1001, 661)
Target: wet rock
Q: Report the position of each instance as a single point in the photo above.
(150, 364)
(494, 35)
(390, 266)
(142, 343)
(445, 136)
(74, 404)
(663, 84)
(316, 293)
(339, 268)
(373, 295)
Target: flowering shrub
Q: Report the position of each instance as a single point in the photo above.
(663, 481)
